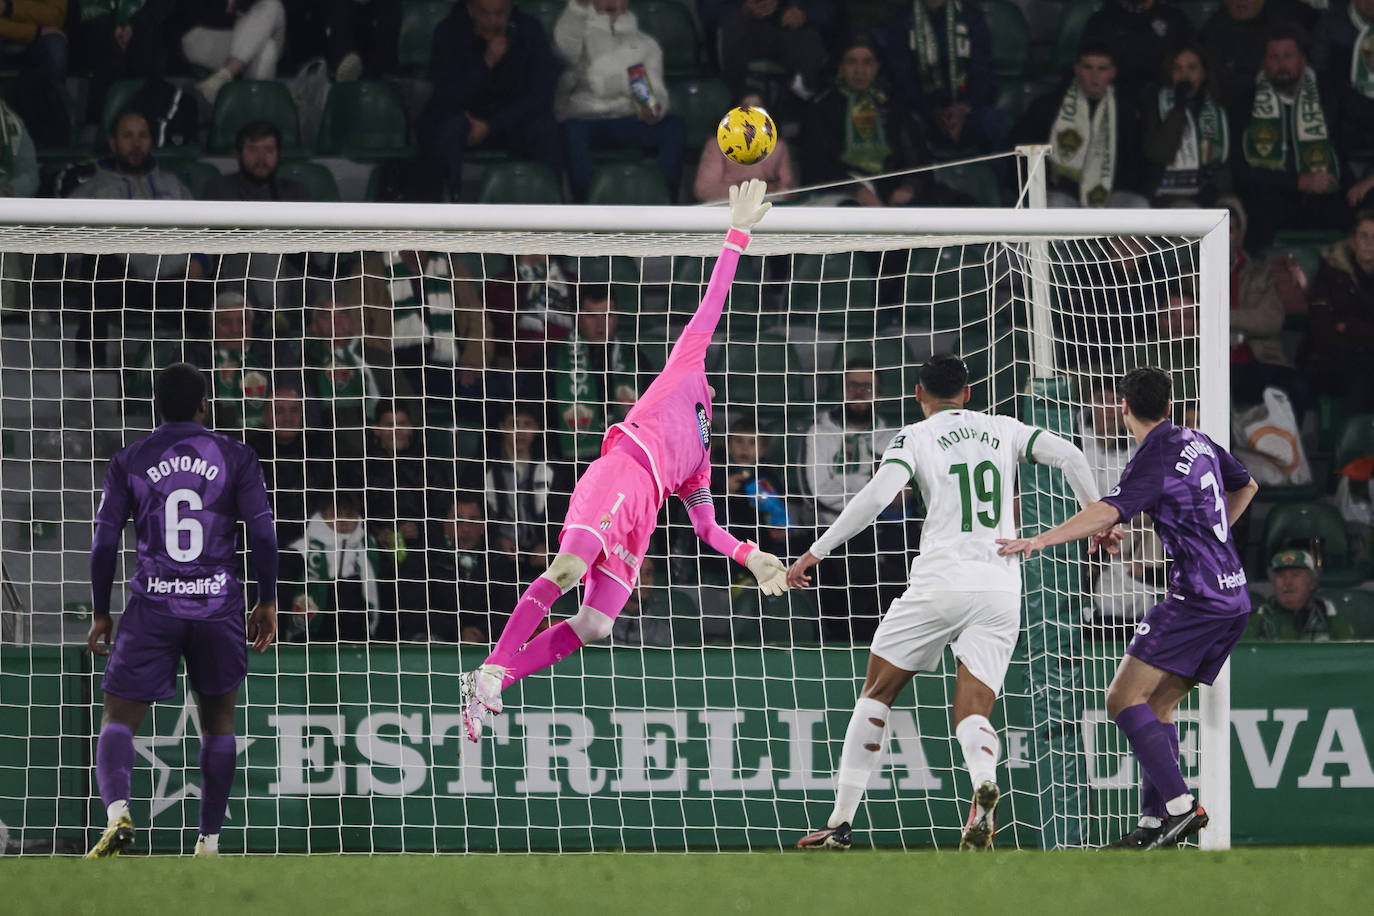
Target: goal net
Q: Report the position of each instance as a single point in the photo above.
(424, 384)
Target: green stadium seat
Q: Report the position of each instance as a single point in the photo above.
(419, 19)
(1317, 527)
(670, 24)
(1356, 439)
(364, 119)
(1296, 238)
(791, 618)
(1199, 11)
(699, 102)
(242, 101)
(1010, 37)
(686, 617)
(691, 274)
(628, 183)
(761, 375)
(622, 273)
(118, 98)
(519, 183)
(1356, 605)
(317, 178)
(841, 289)
(1072, 20)
(976, 179)
(194, 174)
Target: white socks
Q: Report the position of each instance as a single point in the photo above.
(864, 743)
(209, 842)
(116, 810)
(981, 748)
(1180, 805)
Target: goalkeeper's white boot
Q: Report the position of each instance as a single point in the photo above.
(207, 846)
(982, 817)
(481, 694)
(118, 835)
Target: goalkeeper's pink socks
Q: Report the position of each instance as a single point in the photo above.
(1154, 750)
(548, 648)
(114, 763)
(218, 756)
(532, 608)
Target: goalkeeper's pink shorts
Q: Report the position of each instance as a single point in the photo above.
(616, 502)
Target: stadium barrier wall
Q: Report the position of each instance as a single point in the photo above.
(359, 749)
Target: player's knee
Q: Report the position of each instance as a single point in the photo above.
(590, 624)
(566, 570)
(1117, 700)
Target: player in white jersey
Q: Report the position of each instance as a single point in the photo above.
(961, 593)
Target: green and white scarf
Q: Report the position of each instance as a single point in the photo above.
(331, 557)
(953, 77)
(1362, 54)
(422, 312)
(865, 138)
(11, 136)
(1083, 144)
(1206, 143)
(241, 389)
(1266, 139)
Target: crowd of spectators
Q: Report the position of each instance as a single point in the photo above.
(423, 418)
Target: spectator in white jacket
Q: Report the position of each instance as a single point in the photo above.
(611, 94)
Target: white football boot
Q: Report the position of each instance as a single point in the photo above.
(481, 694)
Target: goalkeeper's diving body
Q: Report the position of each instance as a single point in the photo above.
(961, 593)
(662, 447)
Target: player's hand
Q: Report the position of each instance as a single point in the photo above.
(262, 625)
(797, 575)
(1010, 547)
(747, 205)
(102, 626)
(770, 572)
(1109, 540)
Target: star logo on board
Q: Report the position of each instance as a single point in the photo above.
(170, 764)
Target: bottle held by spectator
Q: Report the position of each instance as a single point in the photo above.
(642, 91)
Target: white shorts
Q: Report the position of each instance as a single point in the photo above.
(981, 626)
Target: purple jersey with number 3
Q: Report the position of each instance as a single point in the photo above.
(186, 488)
(1181, 478)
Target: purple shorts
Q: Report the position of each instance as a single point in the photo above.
(1182, 641)
(149, 645)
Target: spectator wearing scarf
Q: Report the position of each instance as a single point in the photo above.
(940, 55)
(1343, 56)
(855, 130)
(1094, 138)
(1137, 33)
(1187, 139)
(1288, 169)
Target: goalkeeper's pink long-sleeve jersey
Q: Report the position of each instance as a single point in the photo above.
(671, 421)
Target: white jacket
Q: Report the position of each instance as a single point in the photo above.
(597, 54)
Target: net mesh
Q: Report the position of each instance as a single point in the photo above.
(711, 719)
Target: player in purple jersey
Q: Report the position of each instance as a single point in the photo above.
(1194, 490)
(186, 489)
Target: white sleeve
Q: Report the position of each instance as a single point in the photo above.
(863, 509)
(1047, 448)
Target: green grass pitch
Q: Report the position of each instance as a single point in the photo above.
(1289, 881)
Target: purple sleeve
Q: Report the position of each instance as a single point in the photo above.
(1233, 474)
(1138, 487)
(256, 513)
(109, 524)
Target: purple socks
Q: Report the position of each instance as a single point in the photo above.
(218, 756)
(114, 762)
(1155, 745)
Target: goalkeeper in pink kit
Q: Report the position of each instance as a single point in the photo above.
(662, 448)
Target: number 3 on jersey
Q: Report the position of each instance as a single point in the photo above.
(1219, 529)
(174, 525)
(985, 482)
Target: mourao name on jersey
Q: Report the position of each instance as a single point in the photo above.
(168, 466)
(964, 433)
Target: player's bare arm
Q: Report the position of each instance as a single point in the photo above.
(102, 628)
(1237, 501)
(262, 624)
(1096, 518)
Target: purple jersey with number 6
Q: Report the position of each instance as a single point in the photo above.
(1181, 478)
(186, 488)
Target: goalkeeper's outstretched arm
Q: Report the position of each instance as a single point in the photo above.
(862, 511)
(747, 207)
(767, 568)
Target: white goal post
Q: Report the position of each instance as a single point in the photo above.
(684, 760)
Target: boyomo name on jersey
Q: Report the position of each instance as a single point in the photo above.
(965, 434)
(168, 466)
